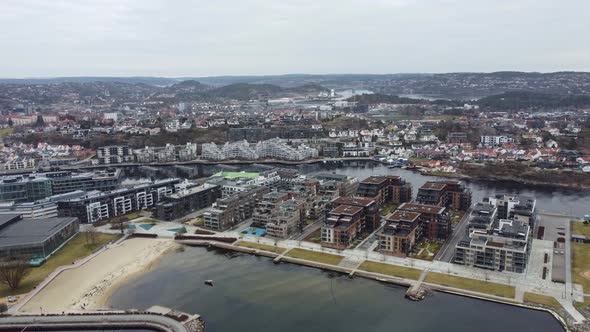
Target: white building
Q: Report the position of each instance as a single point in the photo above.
(495, 140)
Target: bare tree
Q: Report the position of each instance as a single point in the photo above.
(90, 235)
(12, 272)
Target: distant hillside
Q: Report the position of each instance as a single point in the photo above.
(526, 99)
(159, 81)
(379, 98)
(247, 91)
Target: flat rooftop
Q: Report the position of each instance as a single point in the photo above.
(236, 175)
(356, 201)
(348, 210)
(31, 231)
(432, 185)
(407, 216)
(374, 180)
(192, 191)
(421, 208)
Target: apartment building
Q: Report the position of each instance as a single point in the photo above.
(187, 200)
(335, 185)
(341, 226)
(39, 209)
(493, 141)
(452, 194)
(387, 189)
(370, 215)
(228, 212)
(115, 154)
(266, 206)
(503, 248)
(403, 229)
(286, 219)
(436, 224)
(96, 206)
(514, 207)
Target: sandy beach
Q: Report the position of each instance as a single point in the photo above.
(90, 285)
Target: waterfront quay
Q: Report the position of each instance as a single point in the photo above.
(156, 318)
(408, 272)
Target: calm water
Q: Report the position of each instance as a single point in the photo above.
(549, 199)
(253, 294)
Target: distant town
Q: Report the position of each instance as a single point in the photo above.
(118, 171)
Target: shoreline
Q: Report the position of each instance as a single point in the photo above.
(102, 300)
(98, 278)
(401, 282)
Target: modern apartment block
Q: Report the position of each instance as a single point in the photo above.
(436, 224)
(33, 187)
(401, 232)
(272, 148)
(498, 234)
(492, 141)
(187, 200)
(167, 153)
(228, 212)
(503, 248)
(96, 206)
(115, 154)
(371, 217)
(341, 227)
(336, 185)
(285, 219)
(266, 205)
(39, 209)
(451, 194)
(24, 188)
(514, 207)
(387, 189)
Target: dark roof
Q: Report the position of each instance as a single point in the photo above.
(374, 180)
(421, 208)
(356, 201)
(432, 185)
(31, 231)
(348, 210)
(404, 216)
(6, 219)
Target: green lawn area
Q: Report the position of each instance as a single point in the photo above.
(315, 237)
(581, 264)
(387, 209)
(456, 216)
(430, 247)
(259, 246)
(6, 131)
(578, 227)
(471, 284)
(392, 270)
(150, 221)
(315, 256)
(75, 249)
(417, 160)
(128, 217)
(541, 299)
(441, 173)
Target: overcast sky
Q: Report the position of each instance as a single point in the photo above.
(47, 38)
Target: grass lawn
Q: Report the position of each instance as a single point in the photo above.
(471, 284)
(541, 299)
(75, 249)
(578, 227)
(315, 256)
(441, 173)
(392, 270)
(266, 247)
(387, 209)
(580, 264)
(429, 246)
(128, 216)
(150, 221)
(417, 160)
(315, 237)
(6, 131)
(456, 216)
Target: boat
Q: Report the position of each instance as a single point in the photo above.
(209, 283)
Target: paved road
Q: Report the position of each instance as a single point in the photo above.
(447, 251)
(308, 230)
